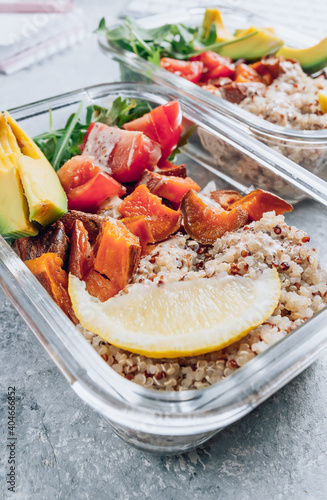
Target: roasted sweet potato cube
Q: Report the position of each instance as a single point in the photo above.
(258, 202)
(92, 223)
(81, 255)
(266, 76)
(205, 220)
(168, 168)
(139, 226)
(246, 73)
(51, 239)
(236, 92)
(272, 64)
(48, 270)
(118, 252)
(174, 189)
(99, 286)
(225, 197)
(169, 187)
(163, 221)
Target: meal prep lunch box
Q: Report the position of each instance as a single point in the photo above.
(161, 421)
(305, 147)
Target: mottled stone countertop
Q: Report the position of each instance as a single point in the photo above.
(67, 451)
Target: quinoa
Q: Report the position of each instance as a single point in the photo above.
(267, 243)
(291, 100)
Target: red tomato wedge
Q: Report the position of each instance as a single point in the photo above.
(121, 153)
(86, 185)
(163, 125)
(214, 65)
(86, 136)
(190, 70)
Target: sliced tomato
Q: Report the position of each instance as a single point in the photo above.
(82, 146)
(76, 171)
(214, 65)
(86, 185)
(163, 125)
(121, 153)
(191, 70)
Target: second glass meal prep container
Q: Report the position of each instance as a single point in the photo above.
(308, 148)
(160, 421)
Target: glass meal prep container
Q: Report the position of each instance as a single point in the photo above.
(161, 421)
(308, 148)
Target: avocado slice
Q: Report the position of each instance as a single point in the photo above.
(311, 59)
(269, 29)
(213, 17)
(47, 201)
(262, 42)
(8, 143)
(26, 145)
(14, 219)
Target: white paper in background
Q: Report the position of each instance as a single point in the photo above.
(28, 38)
(15, 28)
(36, 5)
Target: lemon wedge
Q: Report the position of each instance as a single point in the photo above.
(179, 319)
(322, 96)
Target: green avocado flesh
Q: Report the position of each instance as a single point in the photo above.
(260, 44)
(14, 219)
(30, 191)
(311, 59)
(46, 198)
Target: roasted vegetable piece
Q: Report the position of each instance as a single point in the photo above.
(118, 252)
(99, 286)
(266, 76)
(163, 221)
(121, 153)
(190, 70)
(139, 226)
(258, 202)
(81, 254)
(48, 270)
(236, 92)
(225, 197)
(168, 187)
(272, 64)
(92, 223)
(214, 65)
(246, 73)
(205, 220)
(86, 185)
(163, 125)
(52, 239)
(168, 168)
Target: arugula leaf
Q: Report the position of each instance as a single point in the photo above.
(211, 38)
(121, 111)
(170, 40)
(155, 58)
(63, 141)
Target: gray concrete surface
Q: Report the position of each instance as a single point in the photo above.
(66, 451)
